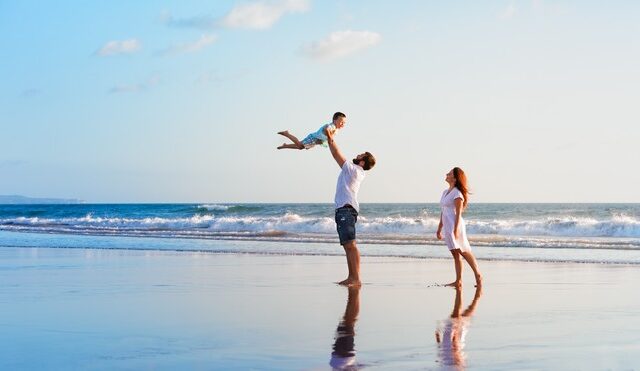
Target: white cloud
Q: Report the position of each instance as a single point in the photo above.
(215, 77)
(191, 47)
(342, 43)
(130, 88)
(508, 12)
(119, 47)
(32, 92)
(200, 22)
(133, 88)
(12, 163)
(260, 15)
(551, 8)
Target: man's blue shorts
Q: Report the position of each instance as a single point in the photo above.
(346, 218)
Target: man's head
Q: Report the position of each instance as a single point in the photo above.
(365, 160)
(339, 119)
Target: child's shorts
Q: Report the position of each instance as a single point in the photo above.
(310, 141)
(346, 218)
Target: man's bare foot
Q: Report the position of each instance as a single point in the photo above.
(350, 282)
(454, 284)
(284, 132)
(478, 280)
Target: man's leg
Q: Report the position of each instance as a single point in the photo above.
(353, 263)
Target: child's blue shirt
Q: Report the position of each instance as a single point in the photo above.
(319, 137)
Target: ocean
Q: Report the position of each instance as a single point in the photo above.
(602, 233)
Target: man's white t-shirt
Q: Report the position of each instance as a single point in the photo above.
(348, 185)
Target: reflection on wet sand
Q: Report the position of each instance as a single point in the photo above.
(343, 356)
(451, 333)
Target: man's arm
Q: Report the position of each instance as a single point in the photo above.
(335, 151)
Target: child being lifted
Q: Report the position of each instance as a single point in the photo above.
(317, 138)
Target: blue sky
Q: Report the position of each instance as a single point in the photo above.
(180, 101)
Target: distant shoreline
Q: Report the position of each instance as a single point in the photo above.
(24, 200)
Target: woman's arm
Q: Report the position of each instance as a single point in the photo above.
(439, 232)
(458, 202)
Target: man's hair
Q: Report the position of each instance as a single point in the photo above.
(369, 161)
(337, 115)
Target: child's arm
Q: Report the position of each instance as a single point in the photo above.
(335, 151)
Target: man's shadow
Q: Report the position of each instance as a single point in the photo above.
(343, 356)
(451, 333)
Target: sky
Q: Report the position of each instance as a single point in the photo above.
(180, 101)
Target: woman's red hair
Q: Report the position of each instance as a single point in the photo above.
(461, 184)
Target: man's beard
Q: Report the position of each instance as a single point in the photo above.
(356, 161)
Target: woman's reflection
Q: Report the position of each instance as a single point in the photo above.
(343, 356)
(451, 333)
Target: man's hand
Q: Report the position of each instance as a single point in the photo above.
(329, 133)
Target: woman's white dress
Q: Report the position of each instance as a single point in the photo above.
(448, 207)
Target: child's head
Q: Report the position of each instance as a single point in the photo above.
(339, 119)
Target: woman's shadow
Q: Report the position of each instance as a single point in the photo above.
(343, 356)
(451, 333)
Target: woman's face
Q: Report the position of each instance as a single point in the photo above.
(450, 178)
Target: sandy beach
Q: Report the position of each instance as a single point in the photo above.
(122, 309)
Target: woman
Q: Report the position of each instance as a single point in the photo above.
(452, 203)
(451, 333)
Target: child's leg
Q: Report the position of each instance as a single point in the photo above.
(289, 145)
(291, 137)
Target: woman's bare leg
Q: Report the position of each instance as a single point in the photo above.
(471, 260)
(457, 261)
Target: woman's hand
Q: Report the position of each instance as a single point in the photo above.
(439, 234)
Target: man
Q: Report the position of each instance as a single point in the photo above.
(343, 356)
(347, 207)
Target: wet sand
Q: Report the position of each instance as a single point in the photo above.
(120, 309)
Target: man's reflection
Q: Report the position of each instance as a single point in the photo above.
(451, 333)
(343, 356)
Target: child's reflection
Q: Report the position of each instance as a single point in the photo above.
(343, 356)
(451, 333)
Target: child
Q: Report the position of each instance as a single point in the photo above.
(313, 139)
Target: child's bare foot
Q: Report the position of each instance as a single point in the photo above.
(284, 132)
(454, 284)
(350, 282)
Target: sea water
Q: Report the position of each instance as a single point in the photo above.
(605, 233)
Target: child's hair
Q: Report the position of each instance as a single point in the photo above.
(337, 115)
(369, 161)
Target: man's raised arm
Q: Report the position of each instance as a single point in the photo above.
(335, 151)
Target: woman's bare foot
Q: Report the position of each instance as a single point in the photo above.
(454, 284)
(478, 280)
(350, 282)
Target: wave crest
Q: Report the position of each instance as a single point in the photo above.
(565, 232)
